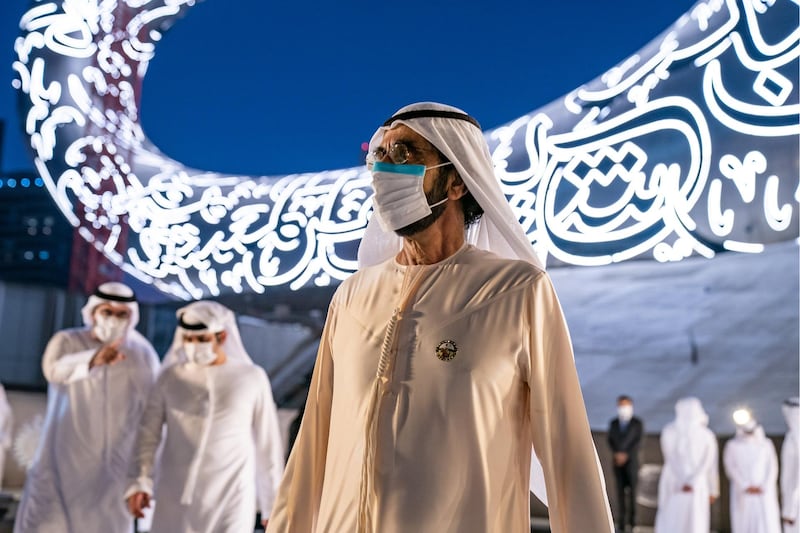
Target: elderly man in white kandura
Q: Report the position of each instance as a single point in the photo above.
(223, 451)
(444, 362)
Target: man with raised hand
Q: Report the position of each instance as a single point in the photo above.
(99, 377)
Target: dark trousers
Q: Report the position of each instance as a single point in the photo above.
(626, 477)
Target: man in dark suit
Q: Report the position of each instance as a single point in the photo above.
(624, 436)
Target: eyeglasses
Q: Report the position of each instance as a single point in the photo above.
(398, 153)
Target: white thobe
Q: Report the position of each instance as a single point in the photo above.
(6, 430)
(690, 458)
(790, 482)
(751, 461)
(80, 470)
(449, 440)
(222, 454)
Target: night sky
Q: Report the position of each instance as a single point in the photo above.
(266, 88)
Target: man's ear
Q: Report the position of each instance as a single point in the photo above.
(221, 336)
(457, 187)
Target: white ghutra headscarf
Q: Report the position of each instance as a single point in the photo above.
(206, 317)
(114, 292)
(791, 414)
(459, 137)
(111, 292)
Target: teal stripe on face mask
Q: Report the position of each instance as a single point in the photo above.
(414, 170)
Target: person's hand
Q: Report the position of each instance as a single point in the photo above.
(712, 499)
(686, 488)
(137, 502)
(753, 490)
(264, 523)
(788, 520)
(108, 354)
(620, 458)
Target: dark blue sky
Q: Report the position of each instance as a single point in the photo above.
(261, 87)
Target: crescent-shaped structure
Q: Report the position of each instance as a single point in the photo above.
(688, 147)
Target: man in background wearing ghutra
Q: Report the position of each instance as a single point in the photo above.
(223, 451)
(98, 378)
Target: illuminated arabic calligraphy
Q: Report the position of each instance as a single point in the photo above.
(688, 147)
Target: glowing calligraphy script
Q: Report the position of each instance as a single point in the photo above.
(688, 147)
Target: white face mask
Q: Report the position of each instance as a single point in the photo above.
(625, 412)
(201, 353)
(750, 427)
(109, 328)
(399, 196)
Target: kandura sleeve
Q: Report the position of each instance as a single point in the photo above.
(675, 457)
(61, 368)
(152, 363)
(148, 440)
(712, 465)
(562, 439)
(7, 422)
(790, 471)
(142, 369)
(297, 505)
(770, 477)
(268, 446)
(665, 442)
(732, 467)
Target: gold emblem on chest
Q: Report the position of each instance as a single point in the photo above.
(446, 350)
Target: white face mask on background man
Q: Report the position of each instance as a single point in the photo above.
(750, 426)
(201, 353)
(109, 328)
(625, 412)
(399, 194)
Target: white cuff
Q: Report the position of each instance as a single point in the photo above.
(72, 367)
(142, 484)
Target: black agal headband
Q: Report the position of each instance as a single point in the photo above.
(431, 113)
(190, 327)
(114, 297)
